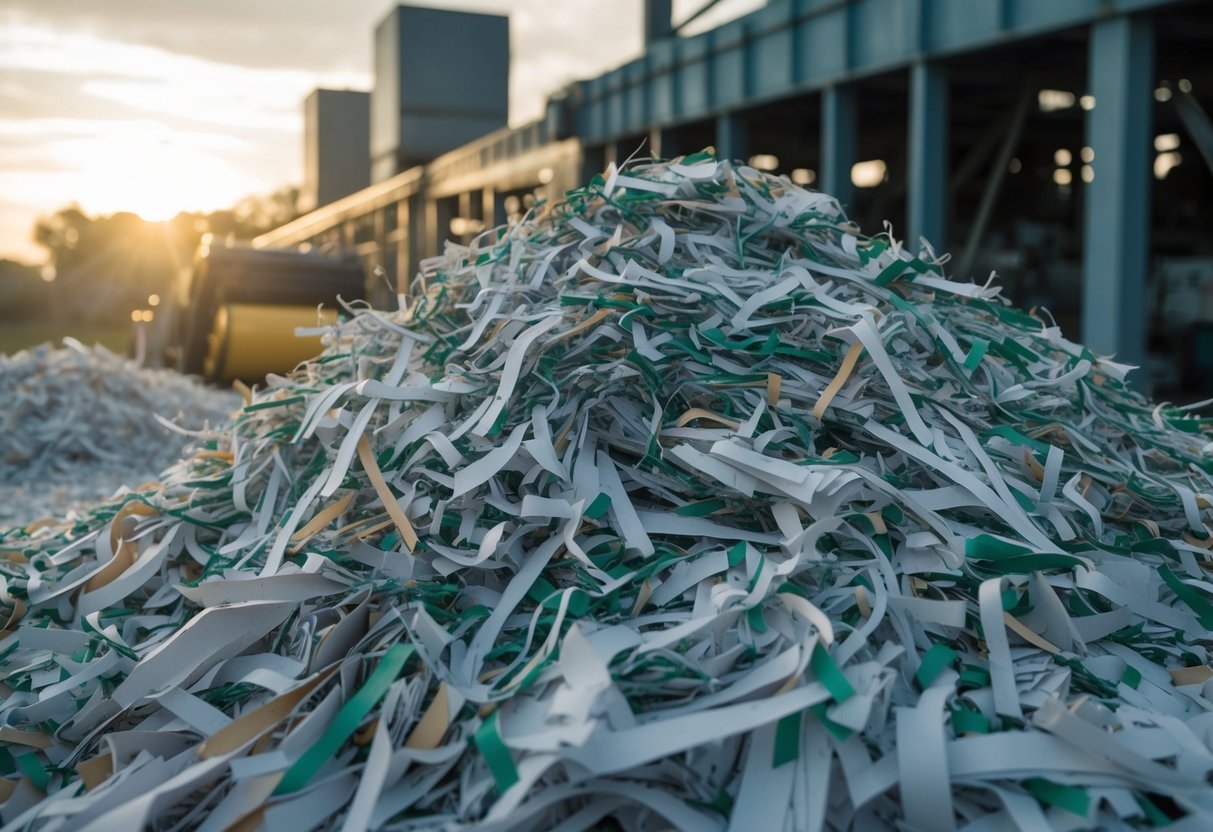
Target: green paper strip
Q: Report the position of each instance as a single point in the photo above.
(976, 353)
(828, 673)
(1015, 437)
(933, 663)
(757, 622)
(1026, 564)
(838, 732)
(1155, 815)
(289, 400)
(736, 553)
(965, 721)
(347, 720)
(890, 273)
(787, 740)
(598, 507)
(974, 676)
(1192, 597)
(493, 749)
(28, 765)
(985, 547)
(1073, 799)
(700, 509)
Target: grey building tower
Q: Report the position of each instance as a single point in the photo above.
(441, 80)
(336, 142)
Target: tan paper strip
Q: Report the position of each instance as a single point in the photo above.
(244, 390)
(123, 557)
(131, 509)
(581, 327)
(1020, 629)
(370, 530)
(844, 373)
(707, 415)
(256, 722)
(125, 551)
(96, 771)
(14, 555)
(642, 597)
(431, 728)
(349, 527)
(861, 601)
(249, 822)
(1191, 675)
(33, 739)
(877, 521)
(1038, 470)
(385, 494)
(774, 382)
(323, 517)
(16, 615)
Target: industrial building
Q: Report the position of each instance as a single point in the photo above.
(336, 141)
(1063, 143)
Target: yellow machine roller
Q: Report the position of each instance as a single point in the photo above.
(247, 338)
(237, 309)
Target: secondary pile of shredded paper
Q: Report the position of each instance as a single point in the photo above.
(681, 504)
(78, 422)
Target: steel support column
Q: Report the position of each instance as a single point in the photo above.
(432, 242)
(732, 137)
(839, 123)
(492, 208)
(927, 152)
(419, 225)
(1116, 221)
(378, 290)
(664, 143)
(404, 235)
(593, 162)
(464, 212)
(379, 226)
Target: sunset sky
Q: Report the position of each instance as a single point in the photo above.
(156, 106)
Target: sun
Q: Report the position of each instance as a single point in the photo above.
(155, 179)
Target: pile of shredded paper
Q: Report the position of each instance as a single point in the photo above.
(678, 505)
(78, 422)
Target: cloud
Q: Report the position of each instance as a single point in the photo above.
(265, 34)
(551, 43)
(155, 80)
(114, 125)
(146, 104)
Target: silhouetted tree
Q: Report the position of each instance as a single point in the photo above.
(104, 266)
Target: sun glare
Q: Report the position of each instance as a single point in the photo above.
(146, 130)
(155, 179)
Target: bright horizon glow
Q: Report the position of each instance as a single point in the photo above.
(151, 132)
(141, 167)
(163, 107)
(157, 180)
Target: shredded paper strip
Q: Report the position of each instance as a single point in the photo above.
(78, 422)
(678, 504)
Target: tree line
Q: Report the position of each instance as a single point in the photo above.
(100, 267)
